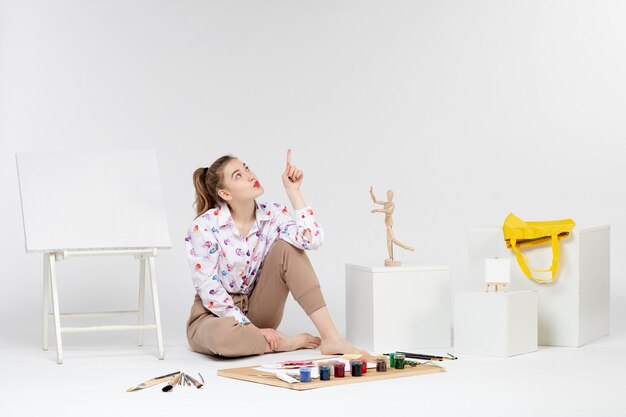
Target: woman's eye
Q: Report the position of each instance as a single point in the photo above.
(237, 176)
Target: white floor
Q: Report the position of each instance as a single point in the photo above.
(586, 381)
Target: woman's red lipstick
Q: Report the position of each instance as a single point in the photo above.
(257, 184)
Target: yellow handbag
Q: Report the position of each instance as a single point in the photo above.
(519, 234)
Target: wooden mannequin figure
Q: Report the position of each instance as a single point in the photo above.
(388, 208)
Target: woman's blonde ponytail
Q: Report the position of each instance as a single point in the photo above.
(207, 181)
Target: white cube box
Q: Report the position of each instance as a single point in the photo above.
(573, 310)
(495, 324)
(398, 307)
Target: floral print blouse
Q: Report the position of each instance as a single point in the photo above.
(223, 262)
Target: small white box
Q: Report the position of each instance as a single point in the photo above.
(573, 310)
(398, 307)
(495, 324)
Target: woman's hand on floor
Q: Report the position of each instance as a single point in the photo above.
(272, 337)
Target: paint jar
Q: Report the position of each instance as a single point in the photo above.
(364, 366)
(392, 360)
(305, 374)
(324, 372)
(381, 365)
(340, 369)
(399, 361)
(356, 368)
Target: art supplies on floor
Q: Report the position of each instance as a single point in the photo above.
(332, 371)
(174, 379)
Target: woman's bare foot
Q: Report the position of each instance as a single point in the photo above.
(339, 345)
(299, 341)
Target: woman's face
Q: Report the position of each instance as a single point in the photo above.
(240, 183)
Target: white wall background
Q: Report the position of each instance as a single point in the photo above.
(468, 110)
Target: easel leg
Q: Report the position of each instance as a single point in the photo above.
(155, 304)
(55, 306)
(142, 296)
(46, 299)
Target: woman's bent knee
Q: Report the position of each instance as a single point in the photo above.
(225, 337)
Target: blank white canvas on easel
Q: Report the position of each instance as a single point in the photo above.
(88, 200)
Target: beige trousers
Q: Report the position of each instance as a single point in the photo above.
(285, 268)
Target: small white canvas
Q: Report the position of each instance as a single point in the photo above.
(497, 270)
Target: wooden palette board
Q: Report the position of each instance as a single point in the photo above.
(248, 373)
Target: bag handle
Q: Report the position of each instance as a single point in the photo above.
(523, 261)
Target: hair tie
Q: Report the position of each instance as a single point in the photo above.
(206, 170)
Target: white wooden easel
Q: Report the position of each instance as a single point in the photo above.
(129, 181)
(145, 256)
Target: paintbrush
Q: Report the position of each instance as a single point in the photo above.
(151, 382)
(173, 381)
(197, 383)
(428, 357)
(279, 375)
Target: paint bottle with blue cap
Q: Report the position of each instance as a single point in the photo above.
(324, 372)
(305, 374)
